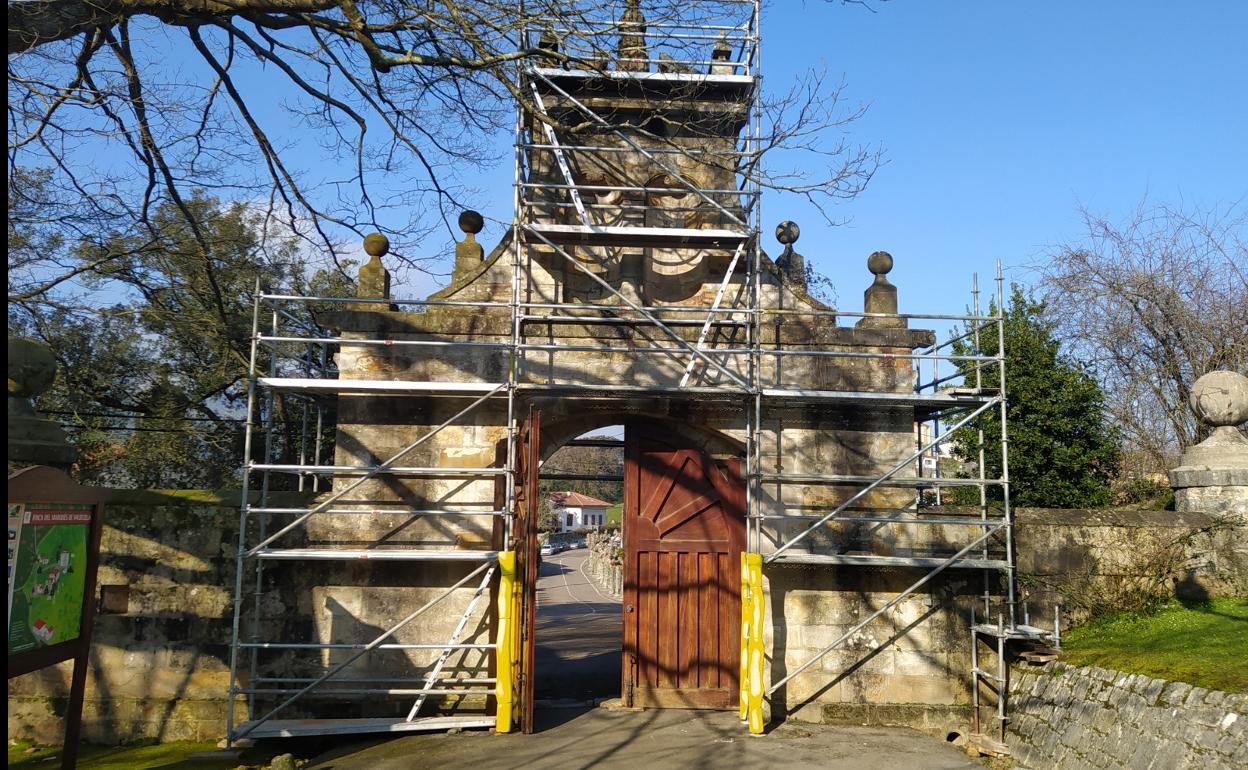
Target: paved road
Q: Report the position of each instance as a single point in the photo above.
(660, 739)
(578, 632)
(578, 657)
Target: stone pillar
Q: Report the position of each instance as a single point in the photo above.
(632, 45)
(792, 264)
(33, 440)
(722, 52)
(468, 253)
(374, 281)
(1212, 476)
(880, 296)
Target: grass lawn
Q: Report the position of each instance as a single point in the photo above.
(615, 513)
(165, 756)
(1204, 646)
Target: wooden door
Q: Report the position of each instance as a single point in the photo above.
(524, 542)
(684, 531)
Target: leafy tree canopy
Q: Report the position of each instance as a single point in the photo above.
(151, 380)
(1062, 450)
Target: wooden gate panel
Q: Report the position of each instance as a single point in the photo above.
(684, 531)
(524, 542)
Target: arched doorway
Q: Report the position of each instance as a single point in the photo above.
(683, 534)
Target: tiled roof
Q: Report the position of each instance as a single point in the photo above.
(577, 499)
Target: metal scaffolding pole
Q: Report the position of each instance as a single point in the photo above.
(737, 374)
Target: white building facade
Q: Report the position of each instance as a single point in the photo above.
(577, 511)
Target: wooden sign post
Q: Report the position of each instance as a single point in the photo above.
(54, 553)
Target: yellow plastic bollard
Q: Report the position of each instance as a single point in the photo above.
(503, 653)
(754, 572)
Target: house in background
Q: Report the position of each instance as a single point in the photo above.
(577, 511)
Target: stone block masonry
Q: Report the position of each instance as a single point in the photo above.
(1074, 718)
(160, 652)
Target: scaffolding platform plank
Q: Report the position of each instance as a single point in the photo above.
(1019, 631)
(905, 482)
(380, 387)
(927, 401)
(727, 391)
(293, 728)
(870, 560)
(368, 470)
(330, 554)
(685, 78)
(614, 235)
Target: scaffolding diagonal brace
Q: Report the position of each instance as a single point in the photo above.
(667, 168)
(710, 316)
(370, 474)
(560, 158)
(432, 678)
(250, 726)
(887, 606)
(918, 453)
(645, 313)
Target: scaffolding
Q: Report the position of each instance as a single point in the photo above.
(576, 199)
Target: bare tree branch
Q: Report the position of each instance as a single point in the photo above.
(1152, 303)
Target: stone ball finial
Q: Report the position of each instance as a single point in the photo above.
(376, 245)
(32, 368)
(880, 263)
(471, 222)
(1220, 399)
(788, 232)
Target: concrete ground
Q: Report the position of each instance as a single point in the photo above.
(655, 740)
(578, 632)
(578, 661)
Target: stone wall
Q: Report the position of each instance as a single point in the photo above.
(160, 658)
(1076, 718)
(604, 565)
(907, 667)
(160, 651)
(910, 666)
(1086, 558)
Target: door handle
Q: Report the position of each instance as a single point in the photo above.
(630, 608)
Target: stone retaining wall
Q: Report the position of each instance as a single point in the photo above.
(1073, 718)
(160, 650)
(1091, 560)
(604, 567)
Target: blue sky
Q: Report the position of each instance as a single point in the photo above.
(998, 121)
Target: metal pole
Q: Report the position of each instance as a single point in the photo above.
(361, 653)
(320, 423)
(979, 433)
(887, 606)
(242, 517)
(1003, 684)
(263, 522)
(753, 184)
(1011, 587)
(371, 473)
(974, 669)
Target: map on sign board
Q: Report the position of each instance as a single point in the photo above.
(47, 573)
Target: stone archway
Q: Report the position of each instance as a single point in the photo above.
(684, 530)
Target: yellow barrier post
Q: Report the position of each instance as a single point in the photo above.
(503, 652)
(754, 695)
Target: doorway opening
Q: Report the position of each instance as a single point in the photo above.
(578, 631)
(648, 609)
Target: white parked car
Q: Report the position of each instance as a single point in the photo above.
(548, 550)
